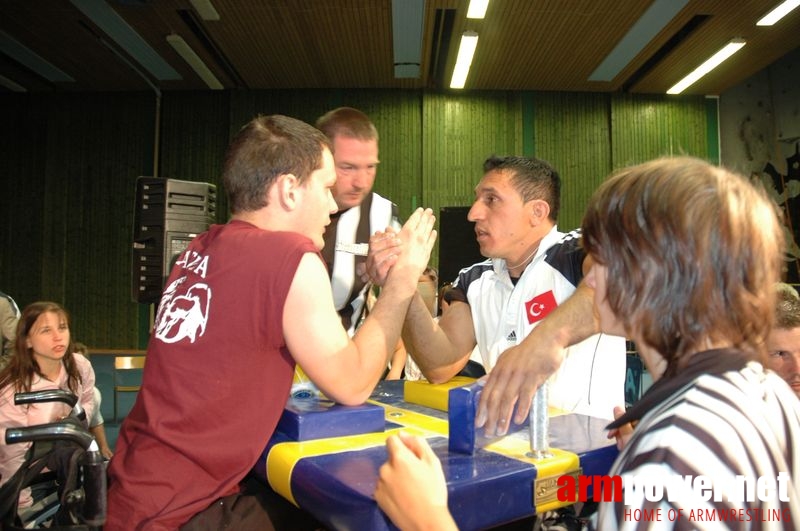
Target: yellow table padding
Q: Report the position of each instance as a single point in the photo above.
(284, 456)
(432, 395)
(561, 463)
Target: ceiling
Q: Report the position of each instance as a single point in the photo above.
(548, 45)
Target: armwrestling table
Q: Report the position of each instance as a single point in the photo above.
(325, 457)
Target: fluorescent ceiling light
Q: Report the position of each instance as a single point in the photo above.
(30, 59)
(408, 19)
(126, 37)
(731, 48)
(477, 8)
(12, 86)
(469, 41)
(641, 33)
(778, 13)
(197, 64)
(205, 9)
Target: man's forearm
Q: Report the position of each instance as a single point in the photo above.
(436, 355)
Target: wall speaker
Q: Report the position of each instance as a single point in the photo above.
(458, 247)
(168, 214)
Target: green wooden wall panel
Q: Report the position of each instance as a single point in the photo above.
(195, 132)
(572, 134)
(70, 162)
(712, 129)
(23, 156)
(647, 127)
(459, 133)
(80, 212)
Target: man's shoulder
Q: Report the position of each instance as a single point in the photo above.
(246, 230)
(6, 302)
(382, 212)
(380, 202)
(473, 273)
(566, 255)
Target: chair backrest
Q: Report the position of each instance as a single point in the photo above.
(122, 363)
(127, 382)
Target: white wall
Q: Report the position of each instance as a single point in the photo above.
(760, 118)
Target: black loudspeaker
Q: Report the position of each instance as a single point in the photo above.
(458, 247)
(168, 214)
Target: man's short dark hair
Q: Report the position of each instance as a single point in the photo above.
(265, 148)
(533, 179)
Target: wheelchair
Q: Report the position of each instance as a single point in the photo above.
(64, 469)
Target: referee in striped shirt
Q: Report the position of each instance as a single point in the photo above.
(686, 259)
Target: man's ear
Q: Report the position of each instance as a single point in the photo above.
(286, 189)
(539, 210)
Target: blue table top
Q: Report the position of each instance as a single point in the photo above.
(334, 478)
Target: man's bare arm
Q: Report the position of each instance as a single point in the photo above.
(345, 369)
(442, 348)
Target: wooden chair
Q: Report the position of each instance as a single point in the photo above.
(127, 378)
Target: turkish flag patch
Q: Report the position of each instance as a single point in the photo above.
(538, 307)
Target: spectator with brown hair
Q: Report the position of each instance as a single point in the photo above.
(44, 358)
(685, 259)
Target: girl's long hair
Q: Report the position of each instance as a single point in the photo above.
(22, 365)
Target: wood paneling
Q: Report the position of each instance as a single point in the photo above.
(70, 164)
(572, 133)
(539, 45)
(655, 126)
(68, 207)
(459, 133)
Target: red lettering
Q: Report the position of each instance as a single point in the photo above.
(584, 482)
(566, 489)
(607, 489)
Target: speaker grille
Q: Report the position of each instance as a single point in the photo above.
(168, 214)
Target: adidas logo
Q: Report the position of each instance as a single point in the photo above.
(512, 336)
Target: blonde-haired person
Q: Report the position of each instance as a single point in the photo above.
(44, 358)
(354, 143)
(783, 343)
(685, 259)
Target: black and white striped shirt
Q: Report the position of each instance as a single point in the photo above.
(720, 424)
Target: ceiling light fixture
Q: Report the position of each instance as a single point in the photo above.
(205, 9)
(197, 64)
(469, 41)
(31, 60)
(11, 85)
(714, 61)
(778, 13)
(658, 15)
(108, 20)
(477, 8)
(408, 20)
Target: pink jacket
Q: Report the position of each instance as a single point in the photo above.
(12, 416)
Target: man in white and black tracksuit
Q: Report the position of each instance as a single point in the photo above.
(526, 308)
